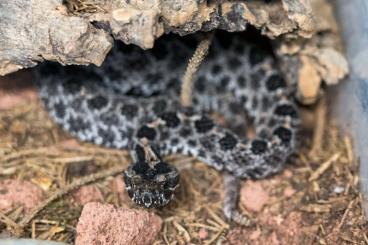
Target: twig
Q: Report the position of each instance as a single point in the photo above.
(324, 166)
(319, 128)
(193, 64)
(10, 223)
(349, 150)
(82, 181)
(345, 214)
(182, 230)
(216, 236)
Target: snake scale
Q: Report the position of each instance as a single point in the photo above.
(132, 102)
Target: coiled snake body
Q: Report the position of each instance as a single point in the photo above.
(132, 102)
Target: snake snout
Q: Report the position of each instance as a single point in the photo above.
(153, 187)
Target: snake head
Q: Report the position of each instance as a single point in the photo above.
(150, 182)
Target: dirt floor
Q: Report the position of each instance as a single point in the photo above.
(315, 200)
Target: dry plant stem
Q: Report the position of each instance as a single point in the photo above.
(193, 64)
(319, 128)
(10, 223)
(345, 214)
(324, 166)
(82, 181)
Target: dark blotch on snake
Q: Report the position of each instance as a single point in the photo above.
(258, 146)
(146, 132)
(243, 98)
(185, 132)
(72, 86)
(107, 136)
(256, 172)
(255, 103)
(275, 82)
(110, 118)
(97, 102)
(202, 153)
(286, 110)
(129, 111)
(171, 183)
(216, 69)
(228, 142)
(159, 106)
(204, 124)
(255, 84)
(60, 110)
(265, 103)
(200, 84)
(284, 134)
(242, 82)
(171, 119)
(77, 124)
(174, 141)
(164, 135)
(207, 143)
(234, 63)
(192, 143)
(258, 75)
(224, 82)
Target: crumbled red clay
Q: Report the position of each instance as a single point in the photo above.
(15, 193)
(284, 231)
(88, 193)
(253, 196)
(103, 224)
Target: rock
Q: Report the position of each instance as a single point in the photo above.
(253, 196)
(88, 193)
(15, 193)
(103, 224)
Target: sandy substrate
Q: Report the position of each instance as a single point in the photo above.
(315, 200)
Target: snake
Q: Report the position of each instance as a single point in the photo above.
(132, 101)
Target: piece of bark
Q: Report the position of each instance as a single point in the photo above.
(79, 32)
(309, 62)
(35, 30)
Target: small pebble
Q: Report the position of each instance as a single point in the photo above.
(339, 189)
